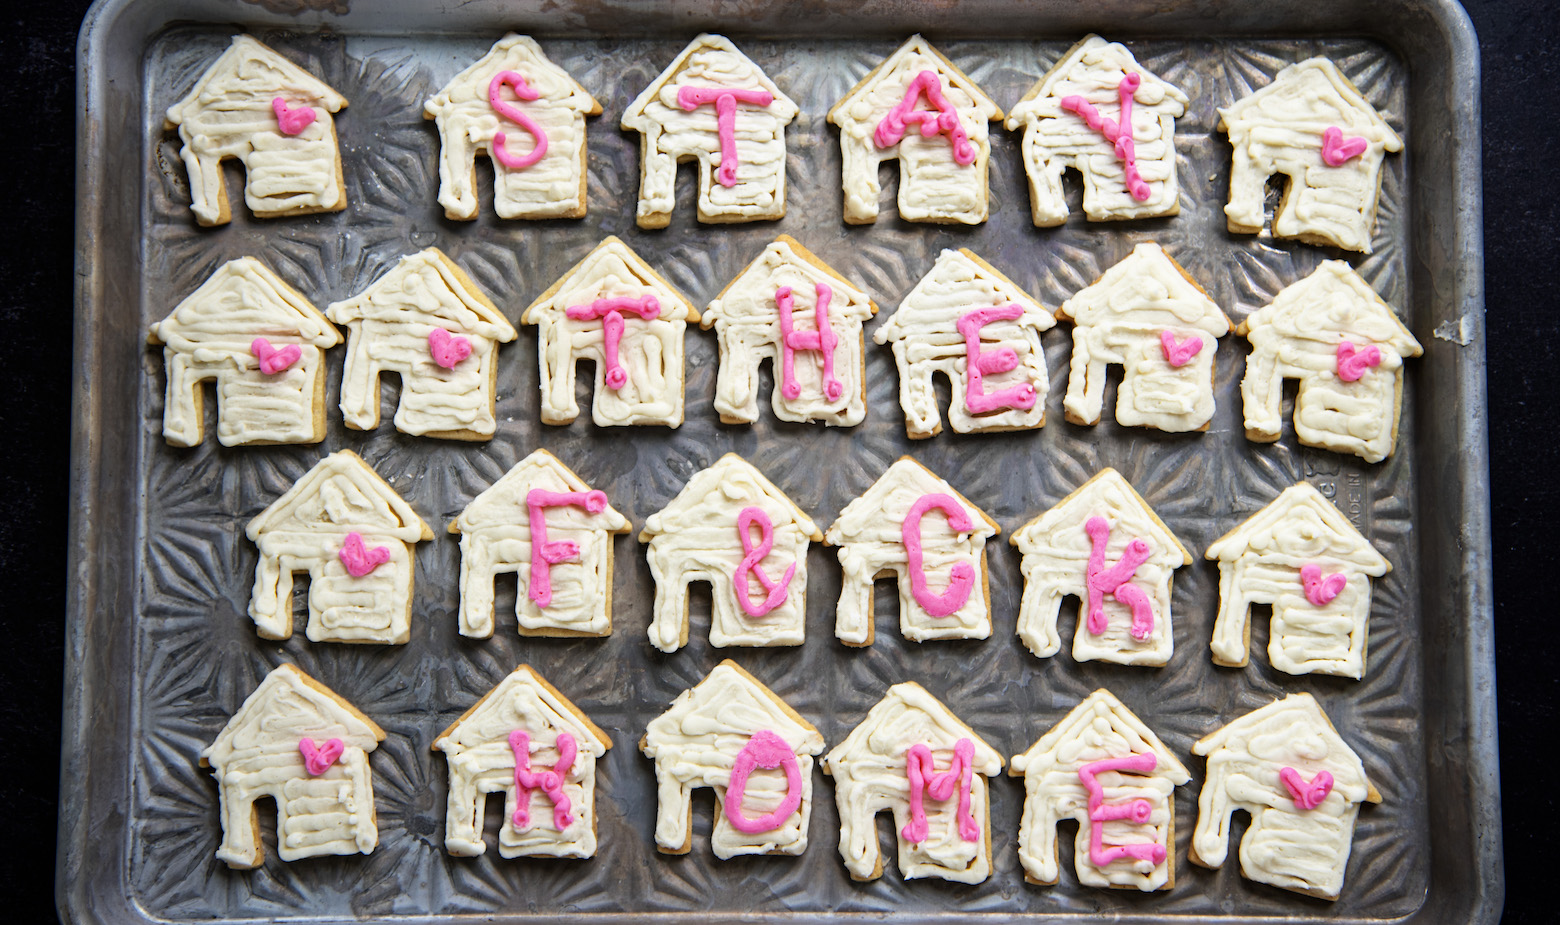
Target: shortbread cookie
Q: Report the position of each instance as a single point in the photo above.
(1302, 785)
(730, 526)
(1073, 117)
(968, 322)
(613, 310)
(527, 741)
(914, 758)
(917, 107)
(714, 106)
(1146, 314)
(276, 118)
(1104, 768)
(427, 321)
(1334, 334)
(544, 523)
(1301, 555)
(353, 534)
(715, 735)
(794, 309)
(296, 742)
(263, 343)
(912, 525)
(1313, 126)
(527, 116)
(1105, 546)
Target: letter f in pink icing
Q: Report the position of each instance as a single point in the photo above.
(1114, 580)
(545, 554)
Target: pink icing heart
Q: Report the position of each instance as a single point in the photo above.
(1319, 589)
(1353, 361)
(317, 759)
(291, 121)
(274, 359)
(1179, 353)
(447, 349)
(359, 559)
(1307, 795)
(1338, 150)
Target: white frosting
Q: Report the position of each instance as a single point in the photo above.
(651, 352)
(1296, 336)
(926, 339)
(1295, 849)
(495, 536)
(1278, 130)
(1260, 563)
(481, 762)
(229, 114)
(1099, 728)
(869, 771)
(1056, 138)
(304, 530)
(696, 538)
(1119, 320)
(870, 537)
(553, 187)
(1055, 562)
(256, 755)
(746, 320)
(671, 133)
(695, 743)
(208, 336)
(933, 187)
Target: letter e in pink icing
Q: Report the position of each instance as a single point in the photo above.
(546, 554)
(920, 769)
(981, 363)
(768, 751)
(823, 340)
(1136, 811)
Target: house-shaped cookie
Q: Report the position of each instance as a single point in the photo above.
(917, 107)
(913, 526)
(276, 118)
(715, 735)
(427, 321)
(1313, 126)
(793, 309)
(263, 343)
(1301, 555)
(714, 106)
(353, 534)
(527, 741)
(1147, 315)
(543, 522)
(1105, 546)
(1335, 335)
(527, 115)
(1301, 783)
(1071, 118)
(908, 749)
(613, 310)
(298, 743)
(1104, 768)
(730, 526)
(973, 325)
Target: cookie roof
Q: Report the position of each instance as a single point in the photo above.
(610, 269)
(867, 513)
(783, 263)
(1145, 289)
(1300, 521)
(341, 494)
(457, 302)
(240, 300)
(504, 502)
(522, 700)
(1312, 93)
(729, 701)
(260, 71)
(1107, 491)
(712, 486)
(288, 705)
(907, 715)
(519, 53)
(1100, 723)
(1330, 304)
(732, 69)
(958, 276)
(1093, 64)
(896, 68)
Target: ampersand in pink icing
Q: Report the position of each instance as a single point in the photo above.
(291, 121)
(274, 359)
(1179, 353)
(359, 559)
(921, 770)
(549, 782)
(725, 100)
(1320, 589)
(941, 118)
(1115, 580)
(1118, 133)
(1353, 361)
(447, 349)
(515, 114)
(961, 577)
(981, 363)
(1137, 811)
(1338, 150)
(544, 554)
(823, 340)
(1307, 795)
(610, 311)
(767, 751)
(317, 759)
(774, 591)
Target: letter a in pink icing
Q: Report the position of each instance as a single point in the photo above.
(823, 340)
(961, 576)
(1137, 811)
(767, 751)
(549, 782)
(986, 363)
(518, 116)
(942, 119)
(774, 591)
(610, 311)
(1118, 133)
(725, 100)
(921, 769)
(1115, 580)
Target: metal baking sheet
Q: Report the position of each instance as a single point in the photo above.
(161, 651)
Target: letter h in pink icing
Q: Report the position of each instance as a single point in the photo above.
(984, 363)
(823, 340)
(921, 769)
(610, 311)
(725, 100)
(545, 554)
(1137, 811)
(1114, 580)
(550, 782)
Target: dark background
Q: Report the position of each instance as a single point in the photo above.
(1521, 100)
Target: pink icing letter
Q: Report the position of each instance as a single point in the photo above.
(941, 118)
(610, 311)
(550, 782)
(544, 555)
(1114, 580)
(1307, 795)
(1137, 811)
(921, 770)
(768, 751)
(1117, 133)
(516, 115)
(961, 577)
(1353, 361)
(1001, 360)
(751, 557)
(725, 100)
(823, 340)
(317, 759)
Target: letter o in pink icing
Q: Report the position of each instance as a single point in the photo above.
(767, 751)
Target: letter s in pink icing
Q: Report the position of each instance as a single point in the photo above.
(515, 114)
(961, 576)
(768, 751)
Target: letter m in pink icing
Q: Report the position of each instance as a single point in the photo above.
(610, 311)
(921, 769)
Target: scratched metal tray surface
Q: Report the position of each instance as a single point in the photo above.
(162, 652)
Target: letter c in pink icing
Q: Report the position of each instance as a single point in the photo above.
(962, 576)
